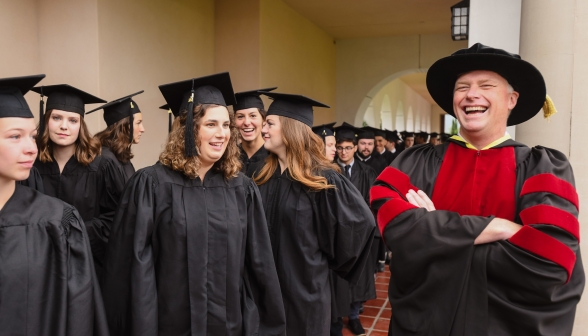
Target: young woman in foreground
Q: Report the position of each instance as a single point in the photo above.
(317, 218)
(190, 253)
(47, 280)
(71, 166)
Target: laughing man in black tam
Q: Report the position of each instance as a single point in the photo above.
(249, 119)
(72, 167)
(205, 244)
(124, 122)
(317, 219)
(46, 264)
(491, 224)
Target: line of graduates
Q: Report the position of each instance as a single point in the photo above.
(191, 245)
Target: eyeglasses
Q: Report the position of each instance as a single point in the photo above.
(344, 149)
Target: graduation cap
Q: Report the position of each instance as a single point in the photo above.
(391, 136)
(293, 106)
(408, 135)
(184, 95)
(64, 97)
(434, 135)
(12, 90)
(424, 135)
(324, 130)
(169, 116)
(375, 131)
(346, 132)
(119, 109)
(250, 99)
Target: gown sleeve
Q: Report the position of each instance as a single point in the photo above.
(345, 227)
(34, 181)
(83, 291)
(112, 181)
(261, 278)
(129, 284)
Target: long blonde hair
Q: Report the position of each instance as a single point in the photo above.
(173, 155)
(305, 157)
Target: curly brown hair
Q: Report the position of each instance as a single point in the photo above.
(87, 148)
(305, 156)
(173, 155)
(116, 137)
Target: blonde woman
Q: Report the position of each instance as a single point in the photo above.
(317, 218)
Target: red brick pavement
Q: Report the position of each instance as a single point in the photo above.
(377, 313)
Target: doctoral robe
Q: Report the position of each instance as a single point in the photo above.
(94, 190)
(311, 233)
(187, 257)
(443, 284)
(47, 282)
(253, 164)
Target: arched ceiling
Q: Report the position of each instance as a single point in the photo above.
(369, 18)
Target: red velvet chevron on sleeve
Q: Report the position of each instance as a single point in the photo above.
(397, 179)
(545, 246)
(551, 184)
(391, 210)
(547, 214)
(380, 192)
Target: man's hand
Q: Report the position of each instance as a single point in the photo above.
(498, 229)
(420, 199)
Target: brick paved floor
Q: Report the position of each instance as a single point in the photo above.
(377, 313)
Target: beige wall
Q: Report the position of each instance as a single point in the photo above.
(395, 99)
(238, 42)
(146, 43)
(297, 56)
(365, 66)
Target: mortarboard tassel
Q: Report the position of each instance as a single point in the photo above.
(190, 143)
(132, 121)
(41, 115)
(169, 120)
(548, 108)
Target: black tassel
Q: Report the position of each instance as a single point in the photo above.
(169, 121)
(190, 144)
(41, 115)
(131, 137)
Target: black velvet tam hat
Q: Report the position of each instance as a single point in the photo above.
(250, 99)
(293, 106)
(346, 132)
(119, 109)
(324, 130)
(12, 91)
(184, 95)
(521, 75)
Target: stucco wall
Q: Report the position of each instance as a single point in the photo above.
(297, 56)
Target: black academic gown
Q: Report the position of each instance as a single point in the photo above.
(376, 161)
(126, 168)
(47, 280)
(388, 157)
(94, 190)
(362, 177)
(191, 258)
(34, 181)
(443, 284)
(253, 164)
(311, 233)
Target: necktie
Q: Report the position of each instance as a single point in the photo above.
(348, 170)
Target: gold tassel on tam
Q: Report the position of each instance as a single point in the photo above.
(548, 108)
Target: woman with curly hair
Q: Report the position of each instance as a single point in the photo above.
(71, 166)
(317, 218)
(47, 280)
(124, 122)
(190, 253)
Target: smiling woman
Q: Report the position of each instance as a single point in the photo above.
(204, 264)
